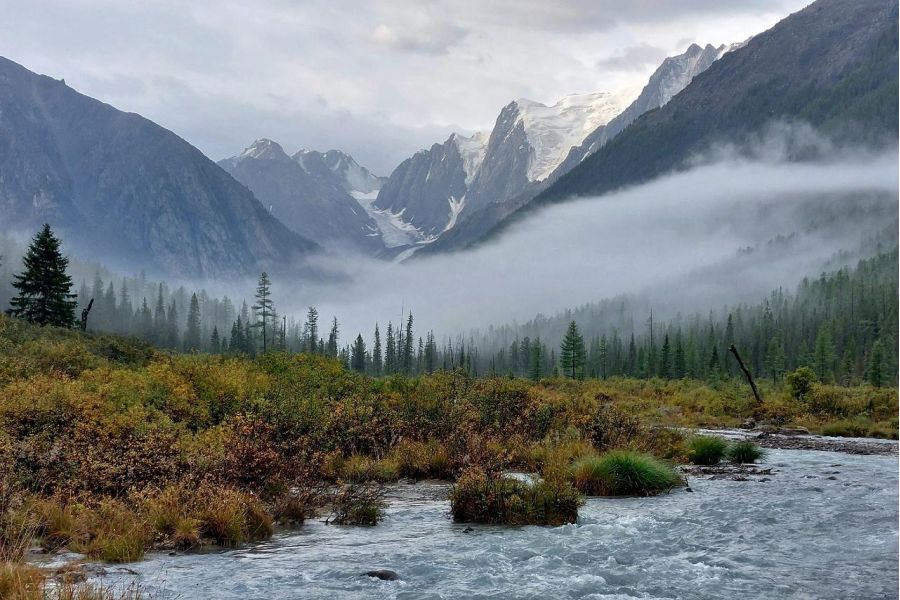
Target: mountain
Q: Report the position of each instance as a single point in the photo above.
(672, 76)
(572, 146)
(311, 192)
(123, 190)
(832, 65)
(434, 188)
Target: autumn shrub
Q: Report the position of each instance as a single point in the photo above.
(422, 460)
(744, 452)
(357, 504)
(623, 473)
(614, 428)
(706, 449)
(478, 497)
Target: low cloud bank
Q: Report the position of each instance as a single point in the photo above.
(720, 233)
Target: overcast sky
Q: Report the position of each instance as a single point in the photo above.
(378, 79)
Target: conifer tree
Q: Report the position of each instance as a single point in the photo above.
(377, 364)
(44, 288)
(192, 331)
(572, 353)
(390, 355)
(312, 327)
(407, 360)
(263, 306)
(172, 326)
(215, 344)
(358, 355)
(332, 347)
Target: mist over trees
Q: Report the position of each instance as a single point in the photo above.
(842, 325)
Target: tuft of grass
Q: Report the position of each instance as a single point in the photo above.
(847, 428)
(481, 498)
(623, 473)
(422, 460)
(745, 452)
(706, 449)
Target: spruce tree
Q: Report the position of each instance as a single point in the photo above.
(263, 306)
(312, 327)
(192, 331)
(333, 335)
(358, 355)
(215, 345)
(407, 360)
(44, 288)
(572, 353)
(390, 356)
(377, 364)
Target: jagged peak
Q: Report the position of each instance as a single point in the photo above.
(263, 148)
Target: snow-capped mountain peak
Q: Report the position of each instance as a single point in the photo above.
(553, 131)
(263, 148)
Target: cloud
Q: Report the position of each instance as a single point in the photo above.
(435, 39)
(633, 57)
(680, 241)
(327, 73)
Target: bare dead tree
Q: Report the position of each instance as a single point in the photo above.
(746, 371)
(84, 314)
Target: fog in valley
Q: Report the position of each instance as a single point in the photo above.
(720, 233)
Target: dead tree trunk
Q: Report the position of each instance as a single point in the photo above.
(84, 314)
(746, 371)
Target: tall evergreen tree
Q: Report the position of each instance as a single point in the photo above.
(377, 364)
(192, 330)
(358, 355)
(332, 348)
(312, 327)
(44, 287)
(263, 306)
(572, 353)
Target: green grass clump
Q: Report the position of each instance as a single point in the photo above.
(846, 428)
(623, 473)
(706, 450)
(745, 452)
(481, 498)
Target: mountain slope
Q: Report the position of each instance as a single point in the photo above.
(310, 192)
(436, 188)
(124, 190)
(832, 65)
(672, 76)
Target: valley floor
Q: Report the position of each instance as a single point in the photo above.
(111, 448)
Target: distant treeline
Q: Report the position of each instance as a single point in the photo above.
(843, 325)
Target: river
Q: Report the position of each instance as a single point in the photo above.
(821, 525)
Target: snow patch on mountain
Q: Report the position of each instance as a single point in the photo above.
(553, 131)
(472, 150)
(394, 230)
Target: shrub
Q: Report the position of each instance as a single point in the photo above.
(613, 428)
(800, 382)
(357, 504)
(623, 473)
(706, 450)
(480, 498)
(744, 452)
